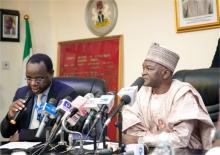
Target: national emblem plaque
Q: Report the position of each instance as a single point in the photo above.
(101, 16)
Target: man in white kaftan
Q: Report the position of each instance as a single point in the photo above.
(177, 111)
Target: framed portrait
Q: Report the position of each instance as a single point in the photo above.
(193, 15)
(10, 25)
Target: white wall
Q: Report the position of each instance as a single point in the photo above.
(141, 22)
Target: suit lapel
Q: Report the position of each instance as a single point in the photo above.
(53, 92)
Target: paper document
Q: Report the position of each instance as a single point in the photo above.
(19, 145)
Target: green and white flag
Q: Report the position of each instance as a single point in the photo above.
(27, 51)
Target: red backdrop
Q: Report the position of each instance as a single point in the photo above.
(99, 57)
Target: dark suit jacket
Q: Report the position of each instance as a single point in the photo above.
(58, 90)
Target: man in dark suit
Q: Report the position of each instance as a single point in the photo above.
(40, 82)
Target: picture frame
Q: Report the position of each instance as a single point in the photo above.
(194, 15)
(9, 25)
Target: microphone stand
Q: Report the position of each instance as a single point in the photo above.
(62, 144)
(49, 140)
(119, 126)
(120, 129)
(105, 116)
(94, 139)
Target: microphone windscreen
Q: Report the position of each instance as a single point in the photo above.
(68, 98)
(138, 82)
(126, 99)
(52, 101)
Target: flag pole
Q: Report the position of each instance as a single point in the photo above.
(27, 48)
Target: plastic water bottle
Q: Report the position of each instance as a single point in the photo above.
(164, 147)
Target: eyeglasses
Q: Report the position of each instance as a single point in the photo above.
(37, 79)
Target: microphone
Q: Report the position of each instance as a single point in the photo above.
(77, 105)
(78, 110)
(26, 100)
(125, 99)
(105, 103)
(63, 107)
(92, 108)
(128, 91)
(49, 111)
